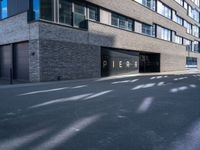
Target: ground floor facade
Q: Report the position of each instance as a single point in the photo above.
(65, 60)
(61, 61)
(41, 51)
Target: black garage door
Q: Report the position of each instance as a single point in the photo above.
(5, 61)
(21, 64)
(116, 61)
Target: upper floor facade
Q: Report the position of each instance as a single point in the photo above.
(176, 21)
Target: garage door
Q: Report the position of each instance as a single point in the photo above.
(117, 61)
(5, 61)
(21, 65)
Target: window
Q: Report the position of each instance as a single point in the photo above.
(115, 20)
(195, 31)
(185, 5)
(3, 9)
(65, 12)
(195, 46)
(163, 10)
(93, 13)
(35, 10)
(148, 29)
(188, 44)
(79, 15)
(188, 26)
(163, 33)
(196, 2)
(122, 22)
(193, 13)
(47, 10)
(180, 2)
(176, 18)
(178, 39)
(191, 62)
(148, 3)
(130, 24)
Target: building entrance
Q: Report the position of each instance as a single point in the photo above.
(149, 62)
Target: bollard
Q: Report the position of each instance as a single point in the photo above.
(11, 76)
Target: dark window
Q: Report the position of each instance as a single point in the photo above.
(65, 12)
(47, 9)
(115, 20)
(191, 62)
(122, 22)
(93, 13)
(130, 24)
(148, 29)
(79, 15)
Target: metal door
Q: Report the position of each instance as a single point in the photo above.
(21, 61)
(5, 61)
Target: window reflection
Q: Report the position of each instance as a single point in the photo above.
(65, 12)
(79, 15)
(3, 9)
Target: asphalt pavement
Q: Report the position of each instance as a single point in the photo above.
(131, 113)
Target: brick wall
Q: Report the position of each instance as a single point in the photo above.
(65, 60)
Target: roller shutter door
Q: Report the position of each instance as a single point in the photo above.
(21, 61)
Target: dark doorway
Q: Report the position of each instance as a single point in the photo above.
(5, 61)
(20, 59)
(149, 62)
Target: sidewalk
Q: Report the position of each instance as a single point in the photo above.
(189, 71)
(6, 83)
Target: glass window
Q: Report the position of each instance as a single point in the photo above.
(65, 12)
(79, 16)
(47, 10)
(180, 2)
(3, 9)
(195, 46)
(122, 22)
(148, 3)
(191, 62)
(36, 9)
(196, 2)
(195, 31)
(193, 13)
(176, 18)
(163, 33)
(93, 13)
(178, 39)
(148, 29)
(163, 10)
(185, 5)
(188, 26)
(115, 20)
(130, 25)
(188, 44)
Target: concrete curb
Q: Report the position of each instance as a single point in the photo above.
(188, 72)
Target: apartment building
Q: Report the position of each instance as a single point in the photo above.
(45, 40)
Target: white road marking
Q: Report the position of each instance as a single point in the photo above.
(44, 91)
